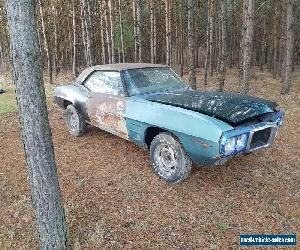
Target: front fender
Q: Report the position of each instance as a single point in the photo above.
(200, 134)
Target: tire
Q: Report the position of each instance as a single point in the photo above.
(75, 121)
(169, 159)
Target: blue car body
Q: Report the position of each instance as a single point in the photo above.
(202, 121)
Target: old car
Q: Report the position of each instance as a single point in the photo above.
(151, 105)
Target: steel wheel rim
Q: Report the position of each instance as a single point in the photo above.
(166, 160)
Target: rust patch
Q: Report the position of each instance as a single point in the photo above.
(108, 113)
(199, 142)
(205, 145)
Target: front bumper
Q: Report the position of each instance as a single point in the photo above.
(259, 135)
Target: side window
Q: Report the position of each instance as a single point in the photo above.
(107, 82)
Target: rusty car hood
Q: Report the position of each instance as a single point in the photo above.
(231, 108)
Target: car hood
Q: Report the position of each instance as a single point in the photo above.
(231, 108)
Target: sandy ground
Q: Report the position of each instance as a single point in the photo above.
(114, 200)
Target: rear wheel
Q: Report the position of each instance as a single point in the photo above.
(169, 159)
(76, 122)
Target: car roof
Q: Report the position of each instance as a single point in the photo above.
(116, 67)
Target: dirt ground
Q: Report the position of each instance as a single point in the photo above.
(114, 200)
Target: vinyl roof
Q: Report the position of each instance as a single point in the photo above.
(116, 67)
(124, 66)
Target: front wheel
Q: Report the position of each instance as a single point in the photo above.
(169, 159)
(76, 122)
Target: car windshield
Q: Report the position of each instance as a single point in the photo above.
(152, 80)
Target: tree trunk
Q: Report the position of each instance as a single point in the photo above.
(181, 42)
(102, 31)
(108, 40)
(83, 31)
(207, 56)
(1, 57)
(119, 54)
(74, 67)
(55, 28)
(153, 31)
(168, 31)
(135, 31)
(244, 81)
(211, 37)
(262, 55)
(223, 43)
(275, 43)
(36, 134)
(289, 47)
(191, 42)
(122, 34)
(87, 28)
(197, 27)
(112, 33)
(242, 41)
(47, 49)
(139, 28)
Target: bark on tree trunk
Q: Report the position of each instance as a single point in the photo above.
(36, 134)
(1, 57)
(289, 47)
(242, 41)
(244, 81)
(102, 31)
(87, 27)
(122, 34)
(191, 42)
(74, 67)
(155, 37)
(275, 42)
(46, 43)
(223, 49)
(84, 36)
(135, 31)
(108, 40)
(112, 33)
(262, 56)
(211, 37)
(139, 28)
(153, 32)
(55, 28)
(207, 56)
(181, 42)
(168, 31)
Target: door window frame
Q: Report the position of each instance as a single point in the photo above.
(121, 77)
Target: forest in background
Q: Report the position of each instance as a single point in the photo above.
(211, 34)
(118, 206)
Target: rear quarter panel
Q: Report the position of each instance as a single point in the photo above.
(73, 93)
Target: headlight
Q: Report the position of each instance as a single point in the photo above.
(235, 144)
(230, 146)
(280, 123)
(241, 142)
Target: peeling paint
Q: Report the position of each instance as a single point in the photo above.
(205, 145)
(234, 109)
(108, 113)
(202, 121)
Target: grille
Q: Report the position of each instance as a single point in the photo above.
(262, 138)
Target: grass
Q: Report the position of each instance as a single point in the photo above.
(8, 102)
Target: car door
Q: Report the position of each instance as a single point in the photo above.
(106, 103)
